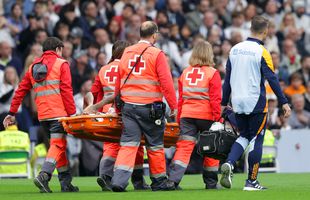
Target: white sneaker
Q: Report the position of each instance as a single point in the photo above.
(227, 173)
(253, 186)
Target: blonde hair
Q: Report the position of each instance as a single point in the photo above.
(202, 54)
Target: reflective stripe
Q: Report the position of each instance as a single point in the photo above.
(58, 135)
(63, 169)
(187, 138)
(191, 89)
(199, 97)
(211, 169)
(108, 158)
(142, 94)
(158, 175)
(138, 166)
(130, 144)
(50, 160)
(47, 92)
(45, 83)
(108, 88)
(155, 148)
(123, 167)
(180, 163)
(140, 82)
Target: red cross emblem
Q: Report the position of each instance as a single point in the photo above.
(111, 74)
(194, 76)
(139, 66)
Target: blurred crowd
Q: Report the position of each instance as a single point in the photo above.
(89, 29)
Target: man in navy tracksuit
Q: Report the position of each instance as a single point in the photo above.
(248, 66)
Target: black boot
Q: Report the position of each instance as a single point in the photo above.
(105, 182)
(138, 181)
(162, 184)
(41, 181)
(210, 179)
(65, 179)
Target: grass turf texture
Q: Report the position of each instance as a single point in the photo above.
(281, 186)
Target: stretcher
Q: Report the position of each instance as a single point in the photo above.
(108, 128)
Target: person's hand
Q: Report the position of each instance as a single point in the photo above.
(173, 113)
(90, 110)
(8, 121)
(286, 110)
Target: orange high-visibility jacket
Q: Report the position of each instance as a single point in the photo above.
(143, 85)
(107, 76)
(195, 92)
(47, 93)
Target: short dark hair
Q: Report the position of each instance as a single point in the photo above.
(259, 24)
(304, 57)
(52, 43)
(147, 29)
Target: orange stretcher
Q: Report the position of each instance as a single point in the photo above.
(108, 128)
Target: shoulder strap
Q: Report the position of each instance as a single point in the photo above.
(133, 67)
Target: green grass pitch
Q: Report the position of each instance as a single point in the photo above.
(281, 186)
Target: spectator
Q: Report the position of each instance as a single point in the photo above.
(301, 18)
(142, 13)
(80, 70)
(162, 18)
(272, 42)
(68, 16)
(187, 54)
(8, 59)
(7, 88)
(194, 19)
(62, 31)
(296, 86)
(237, 26)
(168, 46)
(92, 52)
(299, 117)
(67, 51)
(174, 11)
(307, 97)
(114, 30)
(35, 52)
(224, 15)
(5, 31)
(249, 13)
(290, 56)
(50, 17)
(102, 38)
(101, 60)
(271, 13)
(304, 71)
(280, 70)
(40, 8)
(106, 11)
(27, 36)
(124, 18)
(40, 36)
(186, 39)
(90, 20)
(150, 9)
(273, 120)
(76, 38)
(208, 23)
(17, 21)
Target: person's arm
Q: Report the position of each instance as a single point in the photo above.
(96, 89)
(268, 73)
(226, 86)
(165, 79)
(23, 88)
(180, 100)
(66, 91)
(215, 94)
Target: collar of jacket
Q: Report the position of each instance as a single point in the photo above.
(12, 128)
(255, 40)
